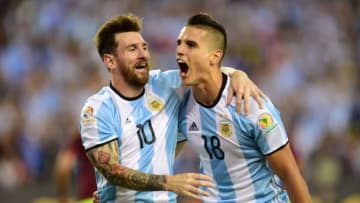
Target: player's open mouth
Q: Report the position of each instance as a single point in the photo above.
(141, 65)
(183, 66)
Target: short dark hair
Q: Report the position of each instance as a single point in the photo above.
(105, 36)
(205, 21)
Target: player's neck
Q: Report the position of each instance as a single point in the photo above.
(208, 90)
(126, 90)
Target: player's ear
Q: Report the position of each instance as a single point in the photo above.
(216, 56)
(109, 61)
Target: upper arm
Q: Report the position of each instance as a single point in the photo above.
(104, 155)
(283, 163)
(105, 159)
(65, 162)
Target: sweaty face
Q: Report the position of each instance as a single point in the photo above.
(192, 54)
(132, 59)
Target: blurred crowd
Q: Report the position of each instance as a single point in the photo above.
(304, 54)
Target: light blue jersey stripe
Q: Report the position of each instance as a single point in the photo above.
(218, 166)
(108, 109)
(172, 78)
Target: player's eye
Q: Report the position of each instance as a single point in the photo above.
(191, 44)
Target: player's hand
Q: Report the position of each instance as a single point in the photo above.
(187, 184)
(96, 197)
(243, 88)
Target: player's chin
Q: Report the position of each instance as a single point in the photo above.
(143, 80)
(185, 81)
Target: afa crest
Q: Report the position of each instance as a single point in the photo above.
(225, 128)
(154, 103)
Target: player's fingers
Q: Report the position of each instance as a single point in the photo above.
(189, 194)
(247, 102)
(203, 180)
(229, 96)
(95, 197)
(262, 94)
(200, 176)
(198, 191)
(195, 192)
(239, 101)
(202, 183)
(258, 100)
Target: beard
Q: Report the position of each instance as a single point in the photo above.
(133, 79)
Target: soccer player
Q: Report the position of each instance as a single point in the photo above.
(69, 157)
(249, 157)
(129, 128)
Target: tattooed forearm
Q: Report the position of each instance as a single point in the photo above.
(146, 182)
(105, 159)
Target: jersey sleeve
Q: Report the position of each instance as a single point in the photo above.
(182, 126)
(180, 137)
(97, 124)
(269, 131)
(172, 79)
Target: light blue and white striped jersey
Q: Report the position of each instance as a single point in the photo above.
(233, 147)
(145, 127)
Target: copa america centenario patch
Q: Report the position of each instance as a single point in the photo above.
(87, 117)
(265, 121)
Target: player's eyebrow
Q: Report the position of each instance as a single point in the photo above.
(190, 43)
(134, 45)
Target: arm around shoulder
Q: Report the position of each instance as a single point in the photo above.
(105, 159)
(242, 88)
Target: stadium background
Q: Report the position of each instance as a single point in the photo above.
(304, 54)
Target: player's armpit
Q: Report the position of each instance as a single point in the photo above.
(105, 159)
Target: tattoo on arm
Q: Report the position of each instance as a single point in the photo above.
(105, 159)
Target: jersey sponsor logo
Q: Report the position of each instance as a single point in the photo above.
(88, 116)
(128, 121)
(225, 128)
(193, 127)
(266, 121)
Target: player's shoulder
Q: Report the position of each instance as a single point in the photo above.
(100, 98)
(164, 79)
(101, 95)
(256, 113)
(158, 74)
